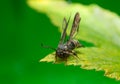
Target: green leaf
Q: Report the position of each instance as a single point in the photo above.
(99, 33)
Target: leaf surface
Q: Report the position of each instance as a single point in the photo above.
(99, 33)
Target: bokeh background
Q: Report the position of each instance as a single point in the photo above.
(22, 30)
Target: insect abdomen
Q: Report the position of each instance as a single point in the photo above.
(73, 44)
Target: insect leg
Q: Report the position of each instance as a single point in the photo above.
(65, 59)
(73, 53)
(56, 58)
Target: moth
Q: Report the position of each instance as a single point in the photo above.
(65, 48)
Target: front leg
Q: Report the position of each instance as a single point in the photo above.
(56, 58)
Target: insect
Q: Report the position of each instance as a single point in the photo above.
(65, 49)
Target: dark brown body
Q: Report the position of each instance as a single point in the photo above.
(64, 50)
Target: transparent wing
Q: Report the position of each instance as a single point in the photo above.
(64, 27)
(75, 26)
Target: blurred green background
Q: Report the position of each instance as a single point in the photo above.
(22, 31)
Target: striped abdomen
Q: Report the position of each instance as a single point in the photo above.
(73, 44)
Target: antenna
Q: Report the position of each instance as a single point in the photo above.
(44, 46)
